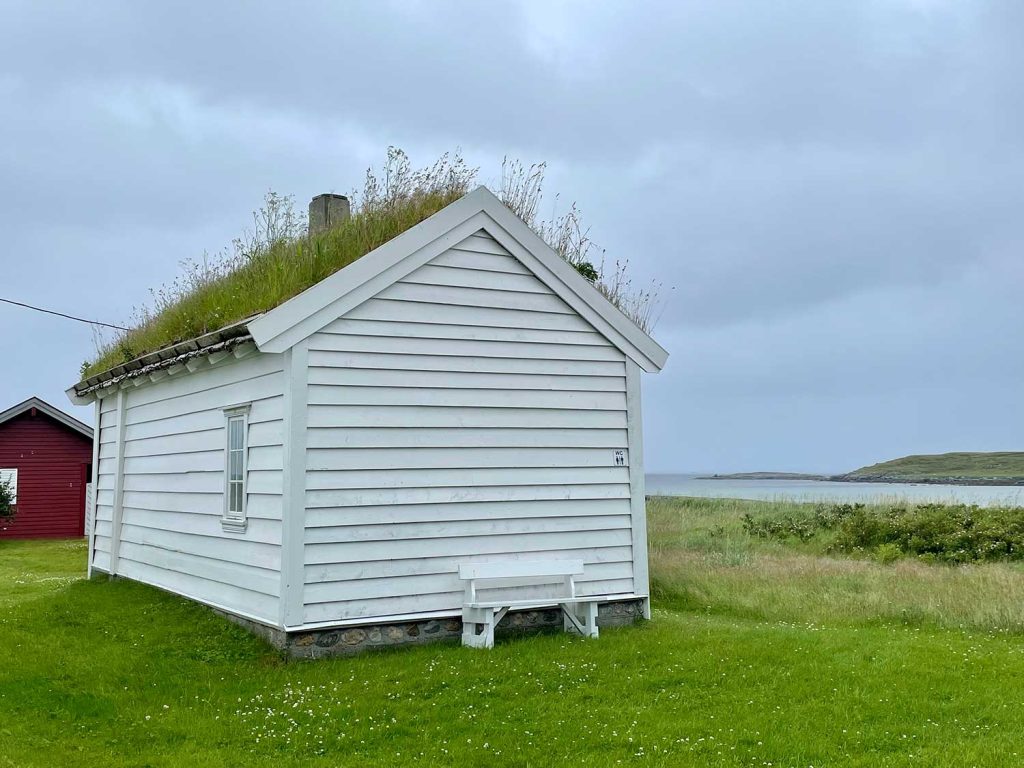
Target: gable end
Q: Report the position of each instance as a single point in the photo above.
(447, 234)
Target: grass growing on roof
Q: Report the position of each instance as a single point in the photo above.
(277, 260)
(761, 653)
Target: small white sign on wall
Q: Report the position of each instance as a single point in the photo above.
(620, 458)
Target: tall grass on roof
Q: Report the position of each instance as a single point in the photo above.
(277, 259)
(522, 190)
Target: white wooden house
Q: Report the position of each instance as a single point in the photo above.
(459, 395)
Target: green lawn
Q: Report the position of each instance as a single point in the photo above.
(759, 654)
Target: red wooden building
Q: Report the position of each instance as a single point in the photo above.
(46, 456)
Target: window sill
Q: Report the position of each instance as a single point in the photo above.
(233, 526)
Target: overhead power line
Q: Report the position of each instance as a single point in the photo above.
(61, 314)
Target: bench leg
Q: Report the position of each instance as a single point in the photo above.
(478, 627)
(580, 618)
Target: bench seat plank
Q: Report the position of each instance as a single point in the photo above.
(479, 617)
(511, 569)
(540, 602)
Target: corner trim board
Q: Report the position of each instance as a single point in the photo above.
(118, 511)
(637, 498)
(94, 480)
(293, 512)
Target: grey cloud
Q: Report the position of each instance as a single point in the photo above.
(829, 192)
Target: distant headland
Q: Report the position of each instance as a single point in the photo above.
(1000, 468)
(765, 476)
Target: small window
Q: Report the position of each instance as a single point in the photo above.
(234, 468)
(10, 477)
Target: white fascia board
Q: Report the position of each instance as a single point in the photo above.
(305, 314)
(527, 246)
(77, 399)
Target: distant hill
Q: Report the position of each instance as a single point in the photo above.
(1005, 468)
(764, 476)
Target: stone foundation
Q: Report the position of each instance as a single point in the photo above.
(345, 641)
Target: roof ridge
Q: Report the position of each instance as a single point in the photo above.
(54, 413)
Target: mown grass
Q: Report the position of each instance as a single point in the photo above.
(745, 664)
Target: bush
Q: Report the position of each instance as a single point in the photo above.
(6, 503)
(791, 526)
(949, 533)
(802, 526)
(888, 553)
(939, 532)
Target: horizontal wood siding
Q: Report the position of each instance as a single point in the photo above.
(465, 413)
(51, 460)
(107, 437)
(173, 500)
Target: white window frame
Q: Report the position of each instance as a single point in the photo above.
(236, 521)
(11, 475)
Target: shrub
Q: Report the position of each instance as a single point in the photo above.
(939, 532)
(888, 553)
(789, 526)
(6, 503)
(949, 533)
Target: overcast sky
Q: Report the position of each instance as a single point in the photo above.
(830, 192)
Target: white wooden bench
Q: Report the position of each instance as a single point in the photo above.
(481, 616)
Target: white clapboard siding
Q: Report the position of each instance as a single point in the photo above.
(442, 601)
(416, 311)
(463, 380)
(440, 582)
(375, 497)
(173, 499)
(463, 437)
(342, 572)
(426, 343)
(440, 275)
(103, 490)
(228, 596)
(101, 556)
(330, 459)
(488, 526)
(258, 506)
(464, 413)
(470, 511)
(320, 394)
(459, 416)
(385, 329)
(262, 580)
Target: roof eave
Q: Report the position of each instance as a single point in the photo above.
(84, 392)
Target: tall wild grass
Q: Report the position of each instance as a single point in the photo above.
(277, 259)
(704, 557)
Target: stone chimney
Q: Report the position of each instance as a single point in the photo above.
(327, 211)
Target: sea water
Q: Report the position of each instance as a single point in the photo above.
(826, 490)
